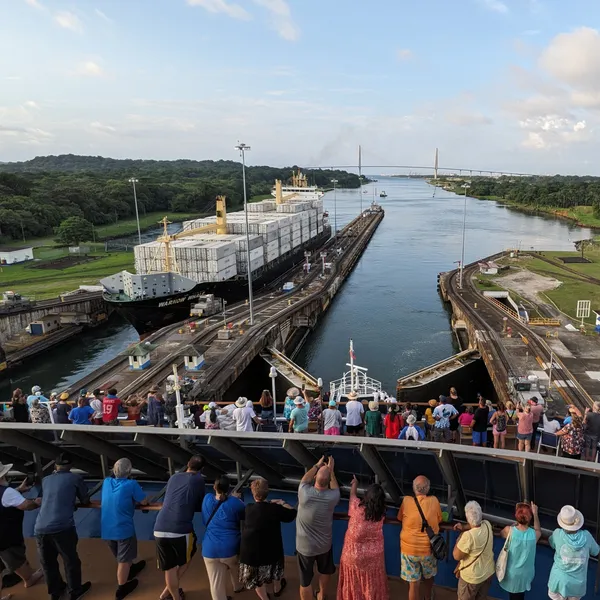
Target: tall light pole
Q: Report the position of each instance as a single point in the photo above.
(242, 149)
(335, 182)
(133, 181)
(466, 186)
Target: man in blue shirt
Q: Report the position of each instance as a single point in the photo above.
(82, 414)
(442, 415)
(174, 529)
(36, 392)
(120, 494)
(55, 530)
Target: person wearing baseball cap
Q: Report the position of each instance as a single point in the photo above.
(12, 544)
(55, 530)
(573, 547)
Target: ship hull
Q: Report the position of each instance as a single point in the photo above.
(150, 314)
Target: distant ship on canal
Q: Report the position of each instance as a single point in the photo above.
(209, 256)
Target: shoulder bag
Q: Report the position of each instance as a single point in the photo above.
(214, 512)
(502, 561)
(459, 568)
(439, 548)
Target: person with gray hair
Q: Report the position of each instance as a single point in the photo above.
(474, 550)
(418, 566)
(412, 431)
(120, 494)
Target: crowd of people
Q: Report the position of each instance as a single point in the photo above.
(252, 557)
(443, 420)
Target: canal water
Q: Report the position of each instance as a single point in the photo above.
(389, 305)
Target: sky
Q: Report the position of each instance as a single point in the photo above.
(509, 85)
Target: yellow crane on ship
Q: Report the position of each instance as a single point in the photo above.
(220, 227)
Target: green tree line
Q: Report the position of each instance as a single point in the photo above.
(561, 192)
(37, 195)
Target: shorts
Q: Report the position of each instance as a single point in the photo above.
(14, 557)
(306, 564)
(590, 442)
(557, 596)
(353, 428)
(524, 436)
(175, 552)
(442, 434)
(125, 551)
(112, 423)
(496, 432)
(473, 591)
(415, 568)
(480, 437)
(332, 431)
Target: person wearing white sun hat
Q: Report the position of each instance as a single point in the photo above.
(573, 547)
(299, 417)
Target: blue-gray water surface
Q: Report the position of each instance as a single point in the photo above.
(388, 305)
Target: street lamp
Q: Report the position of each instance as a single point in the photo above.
(466, 186)
(273, 375)
(242, 149)
(334, 181)
(133, 181)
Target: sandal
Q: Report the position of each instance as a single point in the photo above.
(282, 584)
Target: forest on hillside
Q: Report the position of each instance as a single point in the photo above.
(558, 191)
(37, 195)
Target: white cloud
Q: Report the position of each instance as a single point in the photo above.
(494, 5)
(31, 104)
(96, 126)
(574, 58)
(552, 131)
(281, 18)
(102, 15)
(469, 119)
(404, 54)
(90, 68)
(232, 10)
(69, 20)
(35, 4)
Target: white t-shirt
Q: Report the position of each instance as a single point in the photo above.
(243, 418)
(354, 410)
(12, 498)
(551, 426)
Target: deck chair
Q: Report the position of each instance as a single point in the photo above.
(465, 434)
(548, 440)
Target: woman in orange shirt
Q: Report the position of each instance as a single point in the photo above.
(418, 566)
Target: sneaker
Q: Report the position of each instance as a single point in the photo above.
(136, 568)
(60, 594)
(83, 590)
(126, 589)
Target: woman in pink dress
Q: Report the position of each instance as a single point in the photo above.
(362, 566)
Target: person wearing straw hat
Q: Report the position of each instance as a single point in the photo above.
(289, 405)
(573, 547)
(354, 414)
(244, 415)
(373, 420)
(299, 417)
(12, 544)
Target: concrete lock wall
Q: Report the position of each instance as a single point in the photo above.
(12, 324)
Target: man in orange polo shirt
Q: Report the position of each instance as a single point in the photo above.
(418, 565)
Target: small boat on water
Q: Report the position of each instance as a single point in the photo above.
(383, 194)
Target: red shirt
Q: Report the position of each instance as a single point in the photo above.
(393, 428)
(110, 408)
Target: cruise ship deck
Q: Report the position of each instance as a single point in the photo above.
(99, 568)
(497, 479)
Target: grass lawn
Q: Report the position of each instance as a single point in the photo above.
(122, 228)
(129, 226)
(49, 283)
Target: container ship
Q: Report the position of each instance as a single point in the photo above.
(209, 256)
